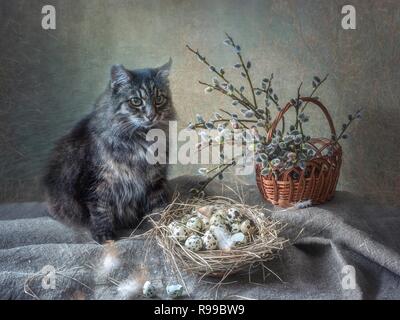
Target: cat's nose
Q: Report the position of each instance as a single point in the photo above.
(150, 116)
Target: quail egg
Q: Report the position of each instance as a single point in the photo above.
(186, 218)
(217, 218)
(194, 243)
(149, 290)
(219, 211)
(209, 241)
(173, 225)
(214, 227)
(174, 290)
(247, 227)
(205, 221)
(235, 227)
(233, 214)
(180, 233)
(194, 224)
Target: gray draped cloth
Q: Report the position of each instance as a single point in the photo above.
(346, 237)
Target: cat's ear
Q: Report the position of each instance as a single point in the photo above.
(119, 76)
(164, 70)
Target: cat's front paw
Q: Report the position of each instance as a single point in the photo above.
(103, 236)
(157, 204)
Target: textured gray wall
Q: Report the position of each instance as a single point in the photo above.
(49, 79)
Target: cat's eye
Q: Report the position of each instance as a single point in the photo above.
(136, 102)
(160, 99)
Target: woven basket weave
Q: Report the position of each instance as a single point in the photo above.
(317, 181)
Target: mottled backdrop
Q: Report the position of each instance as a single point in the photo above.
(49, 79)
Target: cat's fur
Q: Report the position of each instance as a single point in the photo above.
(98, 175)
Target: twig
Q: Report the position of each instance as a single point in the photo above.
(245, 70)
(297, 106)
(202, 125)
(267, 90)
(346, 125)
(207, 182)
(234, 97)
(221, 76)
(241, 121)
(313, 91)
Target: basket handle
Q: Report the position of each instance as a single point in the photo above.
(289, 105)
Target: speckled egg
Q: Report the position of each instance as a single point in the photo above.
(194, 243)
(149, 290)
(186, 218)
(247, 227)
(205, 221)
(173, 225)
(217, 218)
(233, 215)
(174, 290)
(218, 226)
(219, 211)
(194, 224)
(235, 227)
(180, 233)
(209, 241)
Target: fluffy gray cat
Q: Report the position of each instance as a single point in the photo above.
(98, 175)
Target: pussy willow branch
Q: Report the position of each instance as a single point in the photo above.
(219, 74)
(346, 125)
(225, 92)
(224, 166)
(313, 91)
(297, 107)
(239, 120)
(245, 70)
(213, 169)
(201, 125)
(266, 91)
(234, 97)
(311, 95)
(297, 123)
(243, 100)
(268, 96)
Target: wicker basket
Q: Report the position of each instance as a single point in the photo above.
(316, 182)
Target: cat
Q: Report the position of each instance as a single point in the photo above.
(98, 175)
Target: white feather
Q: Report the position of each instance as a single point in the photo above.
(223, 238)
(303, 204)
(110, 263)
(129, 288)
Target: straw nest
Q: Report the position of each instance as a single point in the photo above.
(263, 245)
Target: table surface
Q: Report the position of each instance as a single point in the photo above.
(347, 233)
